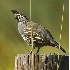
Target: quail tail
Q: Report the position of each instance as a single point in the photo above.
(61, 48)
(58, 46)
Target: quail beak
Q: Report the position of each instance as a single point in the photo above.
(16, 17)
(13, 11)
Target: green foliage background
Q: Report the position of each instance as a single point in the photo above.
(45, 12)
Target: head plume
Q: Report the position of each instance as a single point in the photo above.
(14, 11)
(19, 16)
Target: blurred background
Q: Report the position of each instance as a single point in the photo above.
(45, 12)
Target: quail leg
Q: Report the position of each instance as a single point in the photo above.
(38, 50)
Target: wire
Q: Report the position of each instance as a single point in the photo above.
(30, 9)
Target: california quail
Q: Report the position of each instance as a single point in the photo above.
(41, 36)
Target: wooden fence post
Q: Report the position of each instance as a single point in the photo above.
(41, 62)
